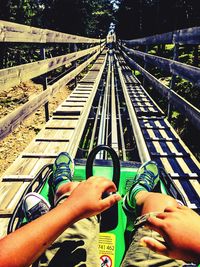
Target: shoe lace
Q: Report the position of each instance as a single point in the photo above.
(147, 176)
(36, 211)
(63, 169)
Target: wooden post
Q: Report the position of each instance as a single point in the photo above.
(173, 82)
(44, 84)
(75, 64)
(100, 42)
(145, 65)
(196, 56)
(2, 55)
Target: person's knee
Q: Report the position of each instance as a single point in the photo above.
(66, 188)
(155, 202)
(169, 201)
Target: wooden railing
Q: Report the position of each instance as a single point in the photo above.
(190, 73)
(13, 32)
(13, 76)
(185, 36)
(9, 77)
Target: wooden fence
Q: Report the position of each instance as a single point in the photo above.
(17, 33)
(185, 36)
(190, 73)
(13, 32)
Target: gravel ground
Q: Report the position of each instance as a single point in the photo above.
(16, 142)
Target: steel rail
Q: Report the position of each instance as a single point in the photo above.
(94, 129)
(114, 136)
(120, 122)
(141, 145)
(102, 128)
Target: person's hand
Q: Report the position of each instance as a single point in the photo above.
(87, 199)
(180, 228)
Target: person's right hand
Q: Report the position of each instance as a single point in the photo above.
(87, 199)
(180, 228)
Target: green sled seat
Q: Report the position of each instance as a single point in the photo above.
(115, 226)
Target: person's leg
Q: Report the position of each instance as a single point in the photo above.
(77, 246)
(34, 205)
(140, 202)
(65, 189)
(153, 202)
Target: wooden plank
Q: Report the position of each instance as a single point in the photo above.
(183, 165)
(54, 134)
(54, 147)
(21, 167)
(10, 192)
(13, 32)
(178, 184)
(3, 226)
(68, 124)
(167, 165)
(158, 147)
(35, 147)
(17, 196)
(83, 85)
(27, 166)
(172, 148)
(39, 163)
(9, 122)
(195, 184)
(185, 71)
(13, 76)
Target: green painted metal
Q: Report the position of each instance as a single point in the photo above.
(124, 224)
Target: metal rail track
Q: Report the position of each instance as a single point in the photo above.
(109, 121)
(124, 116)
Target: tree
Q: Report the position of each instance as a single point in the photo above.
(90, 18)
(140, 18)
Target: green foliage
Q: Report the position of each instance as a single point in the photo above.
(83, 17)
(138, 18)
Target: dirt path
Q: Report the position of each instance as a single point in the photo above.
(17, 141)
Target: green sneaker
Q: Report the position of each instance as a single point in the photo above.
(146, 180)
(63, 169)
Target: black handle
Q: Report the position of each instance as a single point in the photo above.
(115, 159)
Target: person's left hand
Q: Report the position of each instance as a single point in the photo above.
(180, 228)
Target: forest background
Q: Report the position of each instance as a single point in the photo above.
(132, 19)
